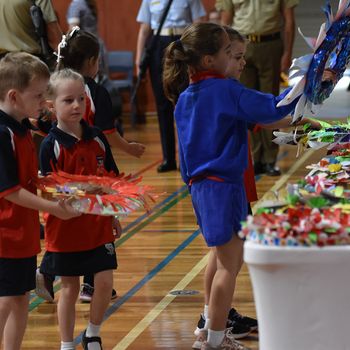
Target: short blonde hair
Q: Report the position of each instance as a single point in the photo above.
(60, 75)
(18, 70)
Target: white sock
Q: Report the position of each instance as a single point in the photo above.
(93, 330)
(67, 345)
(206, 311)
(215, 338)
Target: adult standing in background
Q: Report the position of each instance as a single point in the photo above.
(269, 27)
(17, 28)
(84, 14)
(181, 14)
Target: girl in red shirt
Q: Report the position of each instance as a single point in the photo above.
(83, 245)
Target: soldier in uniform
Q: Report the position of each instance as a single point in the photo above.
(269, 27)
(17, 28)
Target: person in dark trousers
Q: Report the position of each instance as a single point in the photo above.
(181, 14)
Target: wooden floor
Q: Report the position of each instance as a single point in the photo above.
(157, 254)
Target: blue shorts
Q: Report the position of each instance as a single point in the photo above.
(220, 208)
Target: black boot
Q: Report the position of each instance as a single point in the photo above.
(166, 166)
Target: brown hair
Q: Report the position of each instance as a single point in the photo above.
(234, 35)
(18, 70)
(198, 40)
(60, 75)
(79, 47)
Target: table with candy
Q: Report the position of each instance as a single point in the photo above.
(316, 210)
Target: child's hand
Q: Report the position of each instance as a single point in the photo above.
(64, 210)
(314, 124)
(329, 75)
(136, 149)
(117, 228)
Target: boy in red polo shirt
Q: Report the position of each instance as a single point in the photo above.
(24, 80)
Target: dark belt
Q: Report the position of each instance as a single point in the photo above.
(256, 38)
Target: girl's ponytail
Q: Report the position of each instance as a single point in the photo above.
(175, 76)
(184, 55)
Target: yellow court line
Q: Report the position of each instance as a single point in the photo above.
(154, 313)
(284, 178)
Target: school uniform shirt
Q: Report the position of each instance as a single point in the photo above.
(181, 13)
(87, 156)
(99, 110)
(211, 119)
(19, 226)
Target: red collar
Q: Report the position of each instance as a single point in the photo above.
(206, 74)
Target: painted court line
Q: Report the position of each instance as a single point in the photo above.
(114, 307)
(155, 312)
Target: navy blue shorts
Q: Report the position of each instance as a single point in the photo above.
(81, 263)
(17, 276)
(220, 208)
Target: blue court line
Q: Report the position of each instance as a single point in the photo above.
(114, 307)
(165, 201)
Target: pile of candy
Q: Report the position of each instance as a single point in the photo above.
(314, 212)
(299, 226)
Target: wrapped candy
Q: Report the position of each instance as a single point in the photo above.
(299, 226)
(99, 195)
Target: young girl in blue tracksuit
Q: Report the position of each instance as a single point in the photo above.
(211, 116)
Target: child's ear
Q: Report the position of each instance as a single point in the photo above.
(207, 61)
(12, 95)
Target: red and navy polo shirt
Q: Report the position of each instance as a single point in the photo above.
(84, 157)
(99, 110)
(19, 226)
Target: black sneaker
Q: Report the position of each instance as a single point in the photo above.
(236, 317)
(238, 330)
(85, 341)
(114, 294)
(272, 170)
(87, 291)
